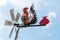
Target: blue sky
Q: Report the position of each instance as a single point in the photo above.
(51, 8)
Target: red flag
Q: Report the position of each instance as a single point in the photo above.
(44, 21)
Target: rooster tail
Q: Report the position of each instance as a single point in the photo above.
(34, 20)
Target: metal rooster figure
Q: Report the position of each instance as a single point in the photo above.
(27, 18)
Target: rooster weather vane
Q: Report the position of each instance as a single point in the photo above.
(27, 20)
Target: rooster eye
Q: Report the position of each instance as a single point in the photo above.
(23, 18)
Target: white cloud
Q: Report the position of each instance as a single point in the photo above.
(1, 20)
(3, 2)
(22, 3)
(42, 0)
(1, 38)
(52, 14)
(1, 16)
(0, 27)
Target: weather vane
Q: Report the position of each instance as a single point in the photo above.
(27, 20)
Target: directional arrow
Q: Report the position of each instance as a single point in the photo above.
(19, 25)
